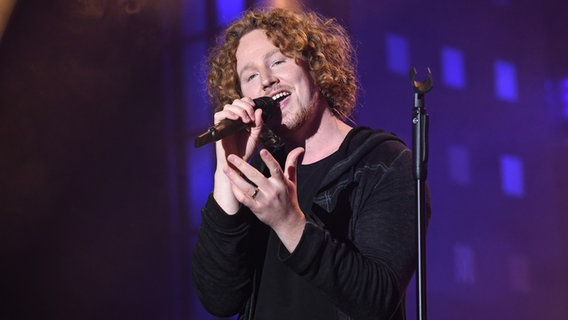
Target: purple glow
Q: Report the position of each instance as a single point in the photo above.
(453, 67)
(564, 95)
(194, 20)
(512, 176)
(505, 81)
(458, 158)
(229, 10)
(464, 260)
(200, 181)
(198, 115)
(397, 54)
(519, 274)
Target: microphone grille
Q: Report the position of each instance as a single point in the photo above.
(267, 104)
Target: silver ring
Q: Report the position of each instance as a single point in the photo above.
(255, 193)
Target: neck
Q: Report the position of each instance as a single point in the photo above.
(324, 140)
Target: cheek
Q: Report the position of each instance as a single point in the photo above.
(244, 90)
(308, 87)
(307, 80)
(248, 90)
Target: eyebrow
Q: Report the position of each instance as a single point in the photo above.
(250, 64)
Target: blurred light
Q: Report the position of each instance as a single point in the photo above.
(6, 7)
(229, 10)
(505, 81)
(459, 165)
(502, 3)
(200, 175)
(464, 260)
(398, 60)
(519, 274)
(512, 176)
(453, 68)
(197, 118)
(564, 95)
(198, 114)
(290, 4)
(194, 17)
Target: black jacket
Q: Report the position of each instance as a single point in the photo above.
(358, 246)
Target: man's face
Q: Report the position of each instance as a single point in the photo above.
(265, 71)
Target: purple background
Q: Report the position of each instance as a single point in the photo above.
(101, 187)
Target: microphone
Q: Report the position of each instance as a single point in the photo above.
(228, 127)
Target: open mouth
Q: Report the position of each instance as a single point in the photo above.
(280, 96)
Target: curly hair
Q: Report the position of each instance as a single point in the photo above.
(321, 44)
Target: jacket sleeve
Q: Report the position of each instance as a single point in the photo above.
(222, 266)
(367, 275)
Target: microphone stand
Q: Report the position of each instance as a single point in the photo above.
(420, 158)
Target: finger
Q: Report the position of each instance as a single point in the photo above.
(256, 128)
(234, 112)
(258, 121)
(247, 105)
(242, 189)
(271, 163)
(253, 175)
(240, 109)
(291, 164)
(225, 114)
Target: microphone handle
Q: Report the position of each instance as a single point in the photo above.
(219, 131)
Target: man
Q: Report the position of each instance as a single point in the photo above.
(328, 230)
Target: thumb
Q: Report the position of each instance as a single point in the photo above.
(291, 165)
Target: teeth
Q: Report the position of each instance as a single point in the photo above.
(279, 96)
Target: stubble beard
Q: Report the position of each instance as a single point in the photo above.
(298, 120)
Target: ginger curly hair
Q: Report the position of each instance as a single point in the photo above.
(322, 45)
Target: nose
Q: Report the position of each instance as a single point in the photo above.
(268, 80)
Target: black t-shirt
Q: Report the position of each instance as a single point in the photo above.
(361, 257)
(284, 294)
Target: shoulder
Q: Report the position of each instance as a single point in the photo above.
(374, 144)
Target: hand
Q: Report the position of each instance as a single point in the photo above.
(273, 200)
(242, 144)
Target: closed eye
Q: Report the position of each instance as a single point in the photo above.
(278, 62)
(251, 77)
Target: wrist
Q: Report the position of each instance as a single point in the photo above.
(290, 232)
(223, 193)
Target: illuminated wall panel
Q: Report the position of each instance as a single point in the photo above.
(228, 10)
(453, 68)
(398, 59)
(459, 166)
(505, 81)
(512, 176)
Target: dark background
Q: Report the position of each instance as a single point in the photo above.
(100, 188)
(84, 226)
